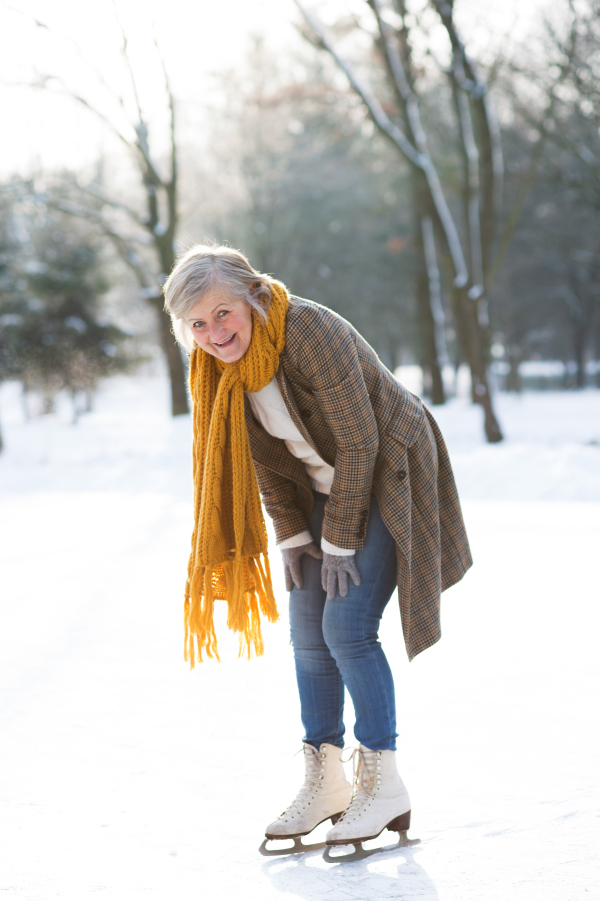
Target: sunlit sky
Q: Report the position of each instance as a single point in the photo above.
(197, 39)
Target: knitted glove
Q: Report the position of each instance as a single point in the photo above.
(337, 569)
(291, 562)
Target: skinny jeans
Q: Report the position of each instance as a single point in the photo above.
(336, 642)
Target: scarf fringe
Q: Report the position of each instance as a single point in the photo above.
(244, 607)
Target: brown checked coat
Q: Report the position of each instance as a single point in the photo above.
(381, 440)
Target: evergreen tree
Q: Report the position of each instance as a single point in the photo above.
(54, 336)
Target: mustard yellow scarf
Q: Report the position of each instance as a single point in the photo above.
(229, 533)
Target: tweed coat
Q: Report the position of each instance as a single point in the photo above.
(381, 440)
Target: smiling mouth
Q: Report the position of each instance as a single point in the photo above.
(227, 342)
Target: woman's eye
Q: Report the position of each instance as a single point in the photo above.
(222, 313)
(198, 324)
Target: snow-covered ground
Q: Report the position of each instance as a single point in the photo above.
(124, 774)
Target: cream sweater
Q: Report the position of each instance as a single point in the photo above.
(269, 408)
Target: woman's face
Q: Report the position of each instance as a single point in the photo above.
(222, 326)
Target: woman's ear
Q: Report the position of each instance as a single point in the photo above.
(259, 295)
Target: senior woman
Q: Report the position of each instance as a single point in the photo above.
(288, 398)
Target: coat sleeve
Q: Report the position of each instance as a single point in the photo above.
(331, 363)
(280, 497)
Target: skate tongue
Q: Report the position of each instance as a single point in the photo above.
(362, 776)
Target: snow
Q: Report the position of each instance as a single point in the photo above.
(122, 773)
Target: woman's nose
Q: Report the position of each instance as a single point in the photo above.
(217, 331)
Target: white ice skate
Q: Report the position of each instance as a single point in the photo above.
(380, 801)
(324, 795)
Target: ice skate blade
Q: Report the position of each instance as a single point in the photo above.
(360, 853)
(297, 847)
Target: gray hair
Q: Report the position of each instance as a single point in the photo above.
(204, 270)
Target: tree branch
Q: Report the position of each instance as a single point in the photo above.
(535, 160)
(364, 91)
(42, 85)
(109, 201)
(400, 78)
(76, 47)
(141, 129)
(171, 99)
(121, 244)
(472, 182)
(173, 181)
(388, 128)
(515, 214)
(490, 162)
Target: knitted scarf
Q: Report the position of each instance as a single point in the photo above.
(229, 535)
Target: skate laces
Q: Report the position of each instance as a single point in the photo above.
(364, 781)
(314, 763)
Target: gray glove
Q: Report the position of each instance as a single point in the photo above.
(337, 569)
(291, 562)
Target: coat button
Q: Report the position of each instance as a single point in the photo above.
(401, 474)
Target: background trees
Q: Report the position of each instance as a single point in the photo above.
(470, 233)
(442, 198)
(142, 228)
(546, 303)
(54, 333)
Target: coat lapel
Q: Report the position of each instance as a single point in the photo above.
(292, 408)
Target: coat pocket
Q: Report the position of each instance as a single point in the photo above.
(393, 462)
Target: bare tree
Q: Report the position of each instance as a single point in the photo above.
(468, 291)
(145, 241)
(393, 47)
(555, 151)
(550, 76)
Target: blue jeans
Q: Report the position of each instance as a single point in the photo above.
(336, 644)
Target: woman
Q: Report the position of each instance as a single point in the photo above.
(354, 472)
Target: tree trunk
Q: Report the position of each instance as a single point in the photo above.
(424, 282)
(429, 359)
(437, 325)
(470, 335)
(579, 335)
(48, 405)
(177, 374)
(75, 419)
(513, 378)
(24, 404)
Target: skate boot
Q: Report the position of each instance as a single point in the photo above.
(380, 801)
(324, 795)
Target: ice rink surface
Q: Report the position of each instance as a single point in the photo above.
(124, 775)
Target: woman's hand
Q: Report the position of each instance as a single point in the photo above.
(336, 569)
(291, 562)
